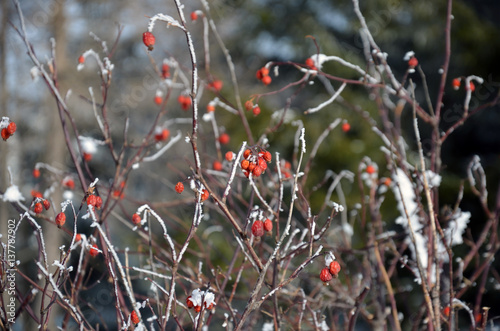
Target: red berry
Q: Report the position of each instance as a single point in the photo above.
(257, 171)
(92, 200)
(266, 80)
(325, 275)
(81, 59)
(472, 87)
(36, 194)
(46, 204)
(248, 105)
(245, 164)
(5, 134)
(258, 228)
(11, 128)
(205, 195)
(370, 169)
(309, 62)
(387, 181)
(158, 99)
(78, 237)
(251, 166)
(224, 139)
(262, 164)
(217, 166)
(268, 225)
(136, 219)
(456, 83)
(197, 309)
(98, 202)
(36, 173)
(334, 268)
(267, 156)
(262, 72)
(134, 318)
(179, 187)
(346, 127)
(165, 71)
(185, 101)
(229, 156)
(256, 111)
(149, 40)
(94, 250)
(210, 107)
(216, 85)
(210, 306)
(194, 16)
(247, 153)
(38, 208)
(69, 183)
(61, 219)
(87, 156)
(446, 311)
(189, 303)
(413, 62)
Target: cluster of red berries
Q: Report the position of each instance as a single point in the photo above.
(39, 206)
(94, 201)
(254, 108)
(185, 101)
(149, 40)
(259, 226)
(327, 274)
(199, 298)
(263, 75)
(255, 163)
(9, 130)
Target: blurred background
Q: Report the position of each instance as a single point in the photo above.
(255, 32)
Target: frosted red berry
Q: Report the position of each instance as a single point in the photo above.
(194, 16)
(38, 208)
(134, 318)
(247, 153)
(11, 128)
(244, 164)
(78, 237)
(179, 187)
(229, 156)
(370, 169)
(248, 105)
(158, 99)
(257, 171)
(216, 85)
(256, 111)
(94, 250)
(204, 195)
(162, 135)
(81, 59)
(184, 101)
(36, 173)
(334, 268)
(61, 219)
(456, 83)
(325, 275)
(92, 200)
(262, 164)
(98, 202)
(87, 156)
(224, 139)
(472, 87)
(268, 225)
(267, 156)
(189, 303)
(46, 204)
(165, 71)
(210, 107)
(136, 219)
(413, 62)
(258, 228)
(149, 40)
(68, 183)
